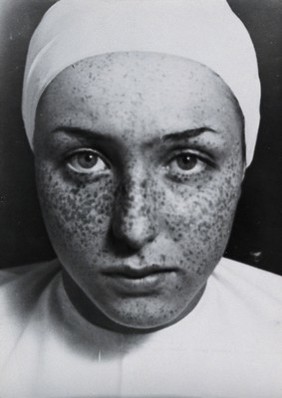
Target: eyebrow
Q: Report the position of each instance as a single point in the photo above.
(93, 134)
(190, 133)
(82, 131)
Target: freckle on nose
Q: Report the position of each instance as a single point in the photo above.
(135, 220)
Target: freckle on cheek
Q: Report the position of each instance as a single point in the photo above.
(73, 213)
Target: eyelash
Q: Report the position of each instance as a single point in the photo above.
(199, 157)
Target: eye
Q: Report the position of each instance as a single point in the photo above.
(186, 164)
(86, 161)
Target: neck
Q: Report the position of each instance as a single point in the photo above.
(90, 330)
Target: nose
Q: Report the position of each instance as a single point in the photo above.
(135, 220)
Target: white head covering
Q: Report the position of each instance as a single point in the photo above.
(206, 31)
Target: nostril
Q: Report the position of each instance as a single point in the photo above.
(119, 246)
(135, 232)
(135, 220)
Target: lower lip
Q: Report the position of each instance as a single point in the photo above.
(145, 285)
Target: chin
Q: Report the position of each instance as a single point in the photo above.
(145, 317)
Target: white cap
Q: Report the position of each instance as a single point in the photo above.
(206, 31)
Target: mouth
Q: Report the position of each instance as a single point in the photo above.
(140, 281)
(126, 271)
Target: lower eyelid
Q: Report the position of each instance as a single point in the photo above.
(73, 169)
(86, 171)
(75, 175)
(179, 177)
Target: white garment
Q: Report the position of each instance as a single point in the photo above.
(230, 345)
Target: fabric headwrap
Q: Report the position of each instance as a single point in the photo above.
(206, 31)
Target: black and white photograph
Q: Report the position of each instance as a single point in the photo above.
(140, 199)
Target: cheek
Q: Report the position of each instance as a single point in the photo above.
(75, 213)
(200, 219)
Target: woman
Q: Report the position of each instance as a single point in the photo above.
(143, 118)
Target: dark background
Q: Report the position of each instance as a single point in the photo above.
(257, 232)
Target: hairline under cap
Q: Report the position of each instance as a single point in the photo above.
(51, 52)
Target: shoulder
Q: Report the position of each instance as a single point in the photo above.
(20, 286)
(255, 291)
(24, 283)
(37, 272)
(248, 277)
(20, 291)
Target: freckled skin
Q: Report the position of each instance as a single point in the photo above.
(139, 211)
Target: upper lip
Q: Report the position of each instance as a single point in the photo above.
(127, 271)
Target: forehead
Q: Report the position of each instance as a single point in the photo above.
(143, 90)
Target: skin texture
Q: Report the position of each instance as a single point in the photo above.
(144, 204)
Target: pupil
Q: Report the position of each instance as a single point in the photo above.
(88, 157)
(87, 160)
(186, 162)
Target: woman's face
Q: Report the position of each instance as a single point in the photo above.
(139, 164)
